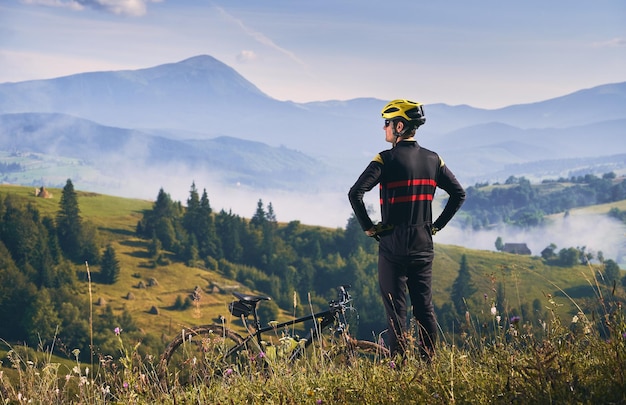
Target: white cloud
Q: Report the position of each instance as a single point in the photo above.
(54, 3)
(611, 43)
(246, 56)
(135, 8)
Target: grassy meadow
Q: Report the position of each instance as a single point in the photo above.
(565, 360)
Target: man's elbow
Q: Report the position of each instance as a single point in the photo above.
(354, 194)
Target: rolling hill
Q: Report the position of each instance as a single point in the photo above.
(525, 278)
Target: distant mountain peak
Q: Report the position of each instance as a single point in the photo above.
(199, 73)
(201, 61)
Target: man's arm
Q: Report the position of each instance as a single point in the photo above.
(368, 179)
(448, 182)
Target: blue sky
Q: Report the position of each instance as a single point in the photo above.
(486, 54)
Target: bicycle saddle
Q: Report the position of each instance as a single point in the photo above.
(251, 298)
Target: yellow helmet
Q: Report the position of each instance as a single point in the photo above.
(408, 111)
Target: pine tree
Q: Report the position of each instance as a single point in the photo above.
(190, 218)
(68, 222)
(210, 243)
(110, 269)
(259, 218)
(462, 288)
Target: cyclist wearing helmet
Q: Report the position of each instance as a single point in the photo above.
(408, 176)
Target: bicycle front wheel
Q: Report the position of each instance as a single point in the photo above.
(200, 353)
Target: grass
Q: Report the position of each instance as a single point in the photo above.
(558, 363)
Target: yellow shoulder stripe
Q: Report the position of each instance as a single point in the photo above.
(378, 159)
(441, 162)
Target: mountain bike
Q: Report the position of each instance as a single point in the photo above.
(203, 352)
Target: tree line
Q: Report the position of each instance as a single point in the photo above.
(40, 302)
(522, 204)
(277, 259)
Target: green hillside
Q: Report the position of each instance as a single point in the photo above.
(523, 279)
(116, 219)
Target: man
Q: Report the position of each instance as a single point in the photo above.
(408, 176)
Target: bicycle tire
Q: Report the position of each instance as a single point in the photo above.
(343, 350)
(198, 354)
(367, 348)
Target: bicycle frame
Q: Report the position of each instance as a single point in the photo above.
(326, 318)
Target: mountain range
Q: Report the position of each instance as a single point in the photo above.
(198, 119)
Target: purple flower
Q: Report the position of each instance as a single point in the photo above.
(125, 384)
(117, 331)
(319, 401)
(228, 372)
(392, 364)
(624, 335)
(515, 319)
(261, 355)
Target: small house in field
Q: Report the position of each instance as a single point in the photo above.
(516, 248)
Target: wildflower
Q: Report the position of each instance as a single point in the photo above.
(515, 319)
(392, 364)
(485, 296)
(125, 385)
(498, 318)
(261, 355)
(624, 335)
(319, 401)
(575, 319)
(228, 372)
(117, 331)
(494, 311)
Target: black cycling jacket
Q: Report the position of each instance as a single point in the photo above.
(408, 176)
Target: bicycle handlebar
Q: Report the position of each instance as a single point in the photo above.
(343, 296)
